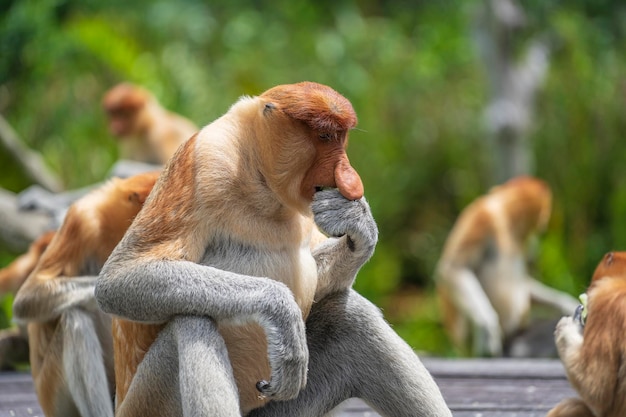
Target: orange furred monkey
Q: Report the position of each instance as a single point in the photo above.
(70, 338)
(482, 276)
(212, 282)
(148, 136)
(592, 347)
(147, 132)
(13, 275)
(14, 341)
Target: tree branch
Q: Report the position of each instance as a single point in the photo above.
(30, 161)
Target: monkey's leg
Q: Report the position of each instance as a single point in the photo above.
(207, 384)
(186, 372)
(468, 296)
(571, 407)
(355, 353)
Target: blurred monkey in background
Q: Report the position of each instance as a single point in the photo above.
(148, 136)
(13, 275)
(70, 339)
(14, 341)
(147, 132)
(482, 276)
(592, 345)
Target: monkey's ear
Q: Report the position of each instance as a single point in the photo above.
(269, 107)
(135, 198)
(139, 197)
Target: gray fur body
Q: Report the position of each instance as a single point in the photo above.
(353, 352)
(187, 371)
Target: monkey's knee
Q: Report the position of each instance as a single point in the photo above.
(571, 407)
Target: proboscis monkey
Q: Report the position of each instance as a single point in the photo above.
(148, 136)
(212, 281)
(14, 341)
(13, 275)
(482, 276)
(147, 131)
(71, 353)
(592, 345)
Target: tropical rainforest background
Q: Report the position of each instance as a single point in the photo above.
(412, 70)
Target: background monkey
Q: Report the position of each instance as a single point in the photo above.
(13, 275)
(148, 136)
(232, 207)
(592, 348)
(147, 131)
(14, 341)
(482, 276)
(70, 338)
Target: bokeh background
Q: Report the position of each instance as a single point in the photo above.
(415, 76)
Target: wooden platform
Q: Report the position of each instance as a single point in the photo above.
(472, 388)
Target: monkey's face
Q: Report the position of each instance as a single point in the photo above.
(310, 127)
(122, 104)
(331, 168)
(121, 122)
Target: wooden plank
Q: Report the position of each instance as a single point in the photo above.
(17, 398)
(471, 387)
(495, 368)
(490, 387)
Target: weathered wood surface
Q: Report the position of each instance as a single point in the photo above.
(472, 388)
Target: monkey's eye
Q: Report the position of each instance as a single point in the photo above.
(326, 137)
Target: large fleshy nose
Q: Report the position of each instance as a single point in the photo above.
(348, 181)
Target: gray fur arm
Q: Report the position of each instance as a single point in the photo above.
(355, 236)
(45, 300)
(157, 291)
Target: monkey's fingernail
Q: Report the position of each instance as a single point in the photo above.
(262, 385)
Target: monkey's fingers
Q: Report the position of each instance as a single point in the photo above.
(285, 390)
(262, 386)
(287, 381)
(336, 216)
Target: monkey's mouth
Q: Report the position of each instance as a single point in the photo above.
(323, 188)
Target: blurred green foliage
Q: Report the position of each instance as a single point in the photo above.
(413, 74)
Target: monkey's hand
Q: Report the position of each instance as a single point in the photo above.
(354, 233)
(46, 299)
(568, 335)
(171, 288)
(287, 348)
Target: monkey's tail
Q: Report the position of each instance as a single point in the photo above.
(84, 365)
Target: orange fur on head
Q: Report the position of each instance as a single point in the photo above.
(529, 202)
(613, 264)
(330, 116)
(150, 132)
(122, 104)
(318, 106)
